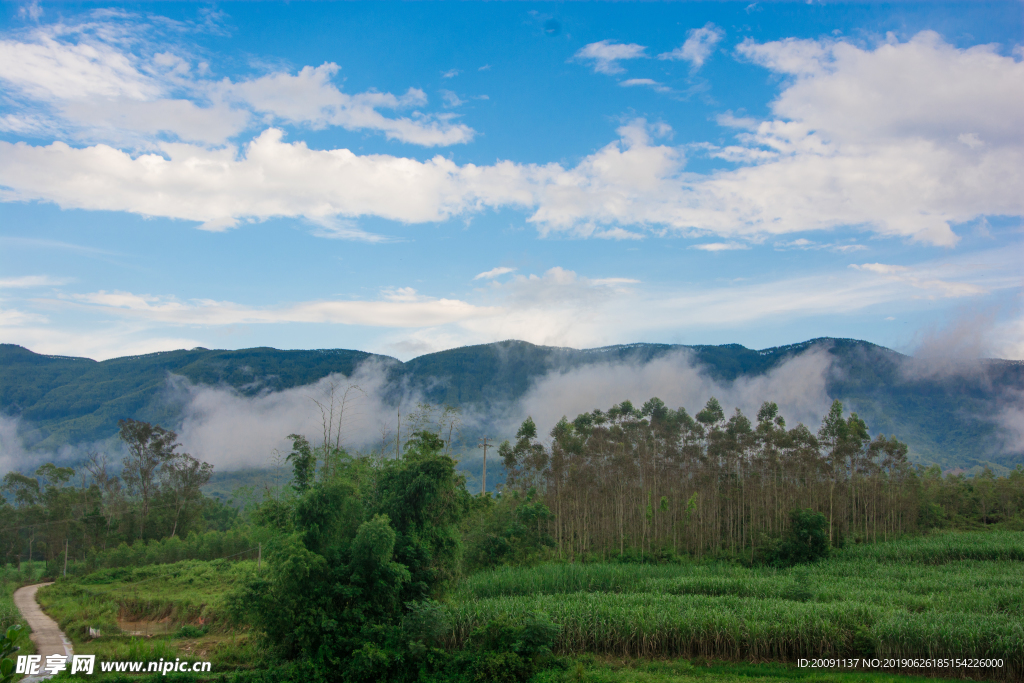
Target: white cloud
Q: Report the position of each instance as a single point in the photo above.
(13, 318)
(399, 308)
(720, 246)
(558, 307)
(923, 279)
(494, 272)
(31, 10)
(116, 78)
(797, 385)
(604, 56)
(645, 82)
(859, 138)
(309, 97)
(700, 43)
(452, 73)
(271, 178)
(855, 95)
(804, 244)
(27, 281)
(451, 99)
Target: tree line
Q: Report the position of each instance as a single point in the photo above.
(156, 494)
(659, 482)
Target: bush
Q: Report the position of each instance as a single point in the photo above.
(190, 631)
(931, 516)
(502, 652)
(806, 540)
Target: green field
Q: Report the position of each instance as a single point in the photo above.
(946, 595)
(140, 612)
(911, 598)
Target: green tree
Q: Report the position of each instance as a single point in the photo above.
(303, 462)
(346, 590)
(806, 539)
(185, 477)
(150, 447)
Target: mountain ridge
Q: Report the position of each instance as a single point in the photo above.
(63, 400)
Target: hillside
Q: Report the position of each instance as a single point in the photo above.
(947, 418)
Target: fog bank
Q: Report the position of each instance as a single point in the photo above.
(797, 386)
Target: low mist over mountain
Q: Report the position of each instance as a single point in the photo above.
(234, 408)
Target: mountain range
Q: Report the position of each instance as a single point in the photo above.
(951, 414)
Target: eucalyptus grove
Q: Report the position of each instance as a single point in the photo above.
(657, 480)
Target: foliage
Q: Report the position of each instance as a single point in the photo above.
(8, 648)
(511, 529)
(348, 589)
(651, 484)
(303, 463)
(501, 651)
(895, 599)
(235, 544)
(191, 631)
(806, 539)
(62, 515)
(184, 593)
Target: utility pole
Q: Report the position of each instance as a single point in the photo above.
(484, 444)
(65, 558)
(398, 437)
(259, 557)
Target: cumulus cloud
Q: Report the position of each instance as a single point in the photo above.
(270, 178)
(858, 137)
(700, 43)
(823, 162)
(310, 97)
(604, 56)
(118, 78)
(851, 94)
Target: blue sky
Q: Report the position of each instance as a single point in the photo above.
(405, 178)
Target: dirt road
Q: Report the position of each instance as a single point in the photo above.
(47, 636)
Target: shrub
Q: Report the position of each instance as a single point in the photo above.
(805, 541)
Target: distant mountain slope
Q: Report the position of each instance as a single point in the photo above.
(492, 373)
(73, 400)
(947, 418)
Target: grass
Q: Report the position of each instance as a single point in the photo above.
(589, 669)
(11, 579)
(952, 594)
(160, 599)
(189, 592)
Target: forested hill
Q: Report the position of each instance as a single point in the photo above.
(71, 400)
(947, 418)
